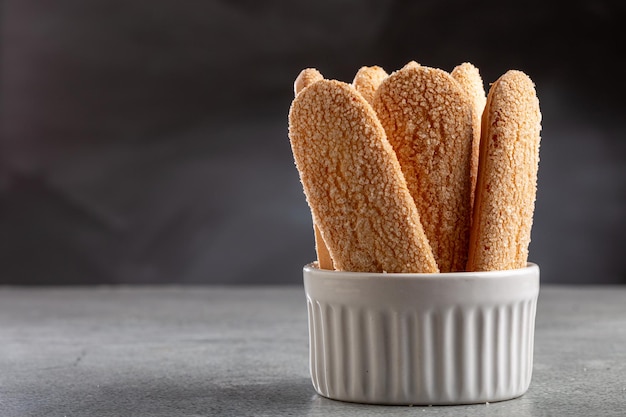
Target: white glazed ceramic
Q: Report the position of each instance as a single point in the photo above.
(453, 338)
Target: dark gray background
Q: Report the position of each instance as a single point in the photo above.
(146, 141)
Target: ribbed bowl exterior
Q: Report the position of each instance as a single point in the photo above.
(421, 339)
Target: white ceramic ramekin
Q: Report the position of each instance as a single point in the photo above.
(454, 338)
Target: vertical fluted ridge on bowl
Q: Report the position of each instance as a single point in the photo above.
(448, 355)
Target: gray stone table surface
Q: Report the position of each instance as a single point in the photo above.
(243, 351)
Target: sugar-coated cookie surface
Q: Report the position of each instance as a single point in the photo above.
(507, 175)
(428, 120)
(367, 80)
(307, 77)
(353, 183)
(468, 76)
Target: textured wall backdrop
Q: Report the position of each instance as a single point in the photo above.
(146, 141)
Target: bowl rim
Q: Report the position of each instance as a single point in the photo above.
(312, 270)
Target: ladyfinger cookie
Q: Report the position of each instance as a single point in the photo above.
(367, 80)
(411, 64)
(353, 183)
(428, 121)
(468, 76)
(507, 175)
(307, 77)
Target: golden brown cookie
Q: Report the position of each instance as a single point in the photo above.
(367, 80)
(428, 121)
(468, 76)
(507, 175)
(411, 64)
(354, 184)
(307, 77)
